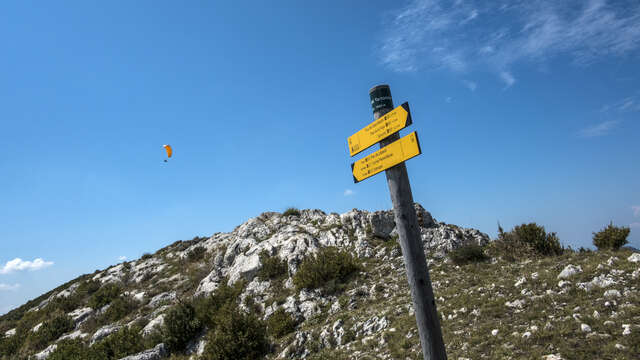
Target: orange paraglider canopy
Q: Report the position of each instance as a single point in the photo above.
(168, 149)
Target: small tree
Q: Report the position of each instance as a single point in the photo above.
(470, 253)
(328, 268)
(236, 335)
(535, 235)
(291, 212)
(180, 326)
(272, 267)
(280, 323)
(611, 237)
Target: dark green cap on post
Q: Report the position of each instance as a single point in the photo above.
(381, 98)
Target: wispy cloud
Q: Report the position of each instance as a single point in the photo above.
(636, 210)
(448, 99)
(18, 264)
(471, 85)
(626, 105)
(599, 129)
(463, 35)
(507, 78)
(122, 258)
(348, 192)
(7, 287)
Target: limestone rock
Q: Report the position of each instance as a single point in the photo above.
(635, 257)
(80, 315)
(612, 293)
(103, 332)
(164, 297)
(158, 352)
(569, 271)
(244, 267)
(73, 335)
(153, 325)
(42, 355)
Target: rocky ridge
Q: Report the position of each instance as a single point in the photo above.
(373, 317)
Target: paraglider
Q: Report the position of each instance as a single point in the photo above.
(169, 151)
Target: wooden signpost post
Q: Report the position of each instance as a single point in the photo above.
(390, 158)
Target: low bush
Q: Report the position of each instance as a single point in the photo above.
(104, 296)
(9, 345)
(120, 307)
(280, 323)
(272, 267)
(123, 342)
(471, 253)
(196, 254)
(329, 268)
(208, 306)
(291, 212)
(87, 288)
(542, 242)
(67, 303)
(180, 326)
(611, 237)
(73, 350)
(236, 335)
(146, 256)
(49, 331)
(525, 241)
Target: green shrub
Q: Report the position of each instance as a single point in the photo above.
(611, 237)
(104, 296)
(272, 267)
(509, 247)
(291, 212)
(470, 253)
(541, 242)
(10, 345)
(120, 307)
(73, 350)
(196, 254)
(208, 306)
(525, 241)
(88, 287)
(329, 268)
(123, 342)
(236, 335)
(280, 323)
(180, 326)
(146, 256)
(49, 331)
(66, 303)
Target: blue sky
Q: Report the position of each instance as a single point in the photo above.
(524, 112)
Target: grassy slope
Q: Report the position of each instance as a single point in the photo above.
(486, 288)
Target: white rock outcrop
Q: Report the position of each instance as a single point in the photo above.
(80, 315)
(634, 258)
(153, 325)
(157, 353)
(42, 355)
(569, 271)
(104, 332)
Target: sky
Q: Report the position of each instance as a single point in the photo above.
(525, 111)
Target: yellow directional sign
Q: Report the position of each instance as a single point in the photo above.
(389, 123)
(389, 156)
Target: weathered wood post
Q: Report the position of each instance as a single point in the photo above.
(410, 241)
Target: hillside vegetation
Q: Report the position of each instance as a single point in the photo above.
(307, 284)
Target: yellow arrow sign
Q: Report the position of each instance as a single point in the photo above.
(389, 123)
(389, 156)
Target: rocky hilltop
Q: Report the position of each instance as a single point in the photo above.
(536, 307)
